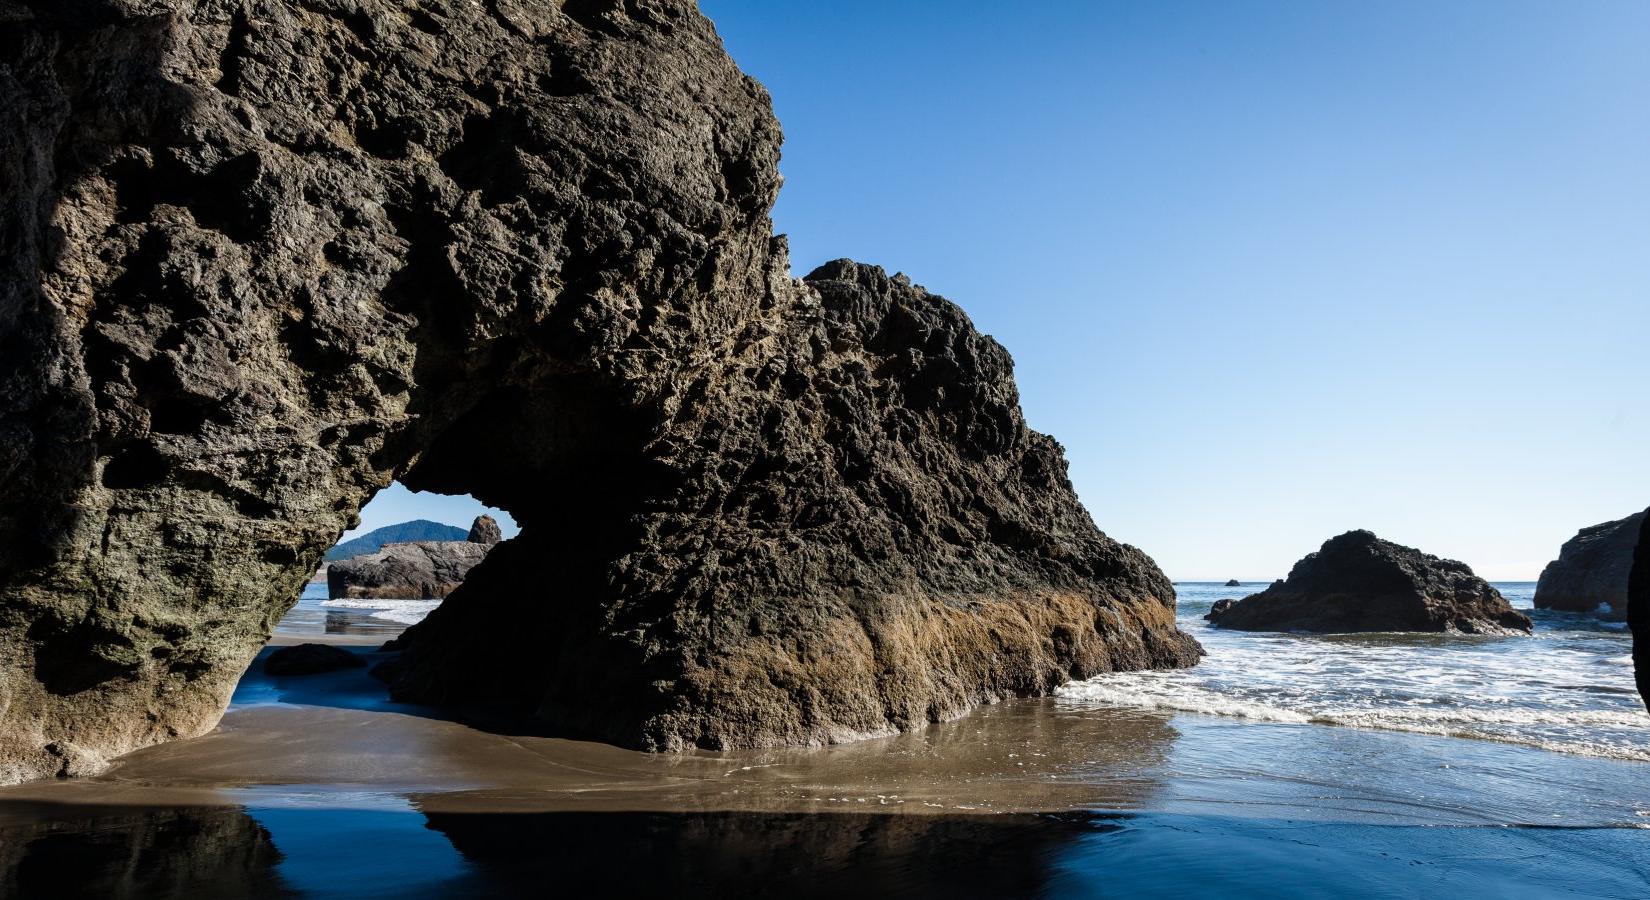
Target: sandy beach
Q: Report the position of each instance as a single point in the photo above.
(1061, 795)
(321, 784)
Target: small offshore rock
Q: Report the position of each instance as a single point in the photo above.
(419, 570)
(485, 530)
(1359, 583)
(310, 659)
(1234, 583)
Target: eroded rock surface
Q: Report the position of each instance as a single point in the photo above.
(260, 258)
(1358, 582)
(1590, 574)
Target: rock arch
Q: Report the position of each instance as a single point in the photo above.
(261, 257)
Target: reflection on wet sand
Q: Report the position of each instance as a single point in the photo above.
(770, 854)
(64, 851)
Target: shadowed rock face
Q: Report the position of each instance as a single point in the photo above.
(260, 259)
(849, 533)
(1590, 574)
(1358, 582)
(1638, 609)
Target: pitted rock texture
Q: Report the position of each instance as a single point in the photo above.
(1590, 574)
(850, 532)
(1638, 609)
(413, 570)
(262, 257)
(1358, 582)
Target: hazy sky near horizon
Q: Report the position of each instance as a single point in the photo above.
(1270, 271)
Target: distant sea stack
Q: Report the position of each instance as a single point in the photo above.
(1590, 574)
(1359, 583)
(1638, 608)
(485, 530)
(1234, 583)
(415, 570)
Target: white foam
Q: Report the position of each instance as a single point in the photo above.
(1609, 733)
(402, 612)
(1146, 692)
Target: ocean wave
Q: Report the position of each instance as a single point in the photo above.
(1605, 733)
(402, 612)
(1156, 695)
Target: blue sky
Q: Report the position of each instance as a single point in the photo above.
(1269, 270)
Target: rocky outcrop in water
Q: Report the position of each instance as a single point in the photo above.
(1590, 574)
(417, 570)
(1358, 582)
(259, 259)
(1638, 609)
(310, 659)
(1234, 583)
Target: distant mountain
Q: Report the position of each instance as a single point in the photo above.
(416, 530)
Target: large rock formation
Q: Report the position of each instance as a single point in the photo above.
(1590, 574)
(261, 257)
(417, 570)
(1358, 582)
(1638, 609)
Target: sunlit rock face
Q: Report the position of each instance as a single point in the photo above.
(260, 259)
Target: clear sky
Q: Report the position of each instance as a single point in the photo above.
(1269, 270)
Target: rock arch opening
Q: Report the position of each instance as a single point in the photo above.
(528, 260)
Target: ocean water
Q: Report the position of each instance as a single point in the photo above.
(1569, 688)
(314, 614)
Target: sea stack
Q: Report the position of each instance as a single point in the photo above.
(1590, 574)
(1357, 582)
(264, 260)
(485, 530)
